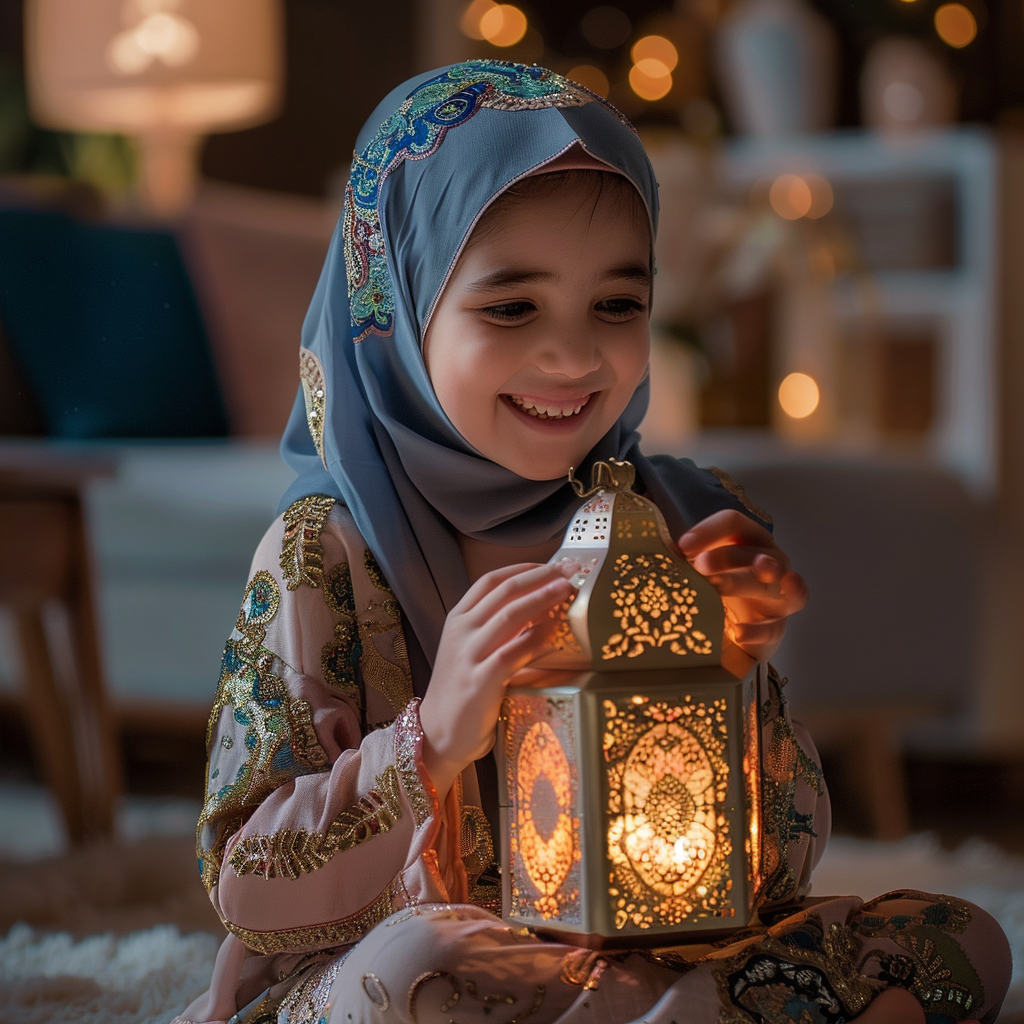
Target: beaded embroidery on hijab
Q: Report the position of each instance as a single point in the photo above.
(367, 428)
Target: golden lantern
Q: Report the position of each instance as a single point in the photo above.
(629, 760)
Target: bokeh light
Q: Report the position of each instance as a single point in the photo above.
(793, 196)
(655, 48)
(592, 78)
(503, 25)
(650, 79)
(956, 25)
(606, 27)
(799, 395)
(469, 24)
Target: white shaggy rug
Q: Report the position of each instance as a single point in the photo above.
(146, 976)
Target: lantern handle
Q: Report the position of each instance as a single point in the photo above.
(613, 475)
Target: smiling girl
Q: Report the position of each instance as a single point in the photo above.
(480, 328)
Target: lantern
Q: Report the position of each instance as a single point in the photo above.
(628, 758)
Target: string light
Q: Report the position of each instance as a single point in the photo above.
(799, 395)
(956, 25)
(503, 25)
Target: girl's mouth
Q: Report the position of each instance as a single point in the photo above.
(549, 409)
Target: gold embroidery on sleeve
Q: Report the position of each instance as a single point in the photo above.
(302, 558)
(314, 397)
(340, 655)
(407, 736)
(305, 746)
(319, 936)
(475, 844)
(290, 852)
(393, 678)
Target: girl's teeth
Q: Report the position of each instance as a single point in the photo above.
(549, 412)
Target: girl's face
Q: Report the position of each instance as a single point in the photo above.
(541, 335)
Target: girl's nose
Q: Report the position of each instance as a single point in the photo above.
(571, 352)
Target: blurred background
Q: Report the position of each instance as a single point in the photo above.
(838, 324)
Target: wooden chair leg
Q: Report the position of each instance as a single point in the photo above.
(49, 721)
(94, 725)
(882, 779)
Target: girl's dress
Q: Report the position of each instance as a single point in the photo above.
(349, 893)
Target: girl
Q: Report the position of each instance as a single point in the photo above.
(480, 327)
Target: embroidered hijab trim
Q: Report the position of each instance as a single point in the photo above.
(415, 131)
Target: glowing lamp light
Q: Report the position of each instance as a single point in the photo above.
(629, 760)
(656, 48)
(592, 78)
(799, 395)
(794, 196)
(166, 72)
(469, 23)
(650, 79)
(503, 25)
(956, 25)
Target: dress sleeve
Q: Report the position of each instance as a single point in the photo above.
(320, 819)
(796, 816)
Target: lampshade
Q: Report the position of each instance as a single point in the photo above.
(629, 765)
(163, 71)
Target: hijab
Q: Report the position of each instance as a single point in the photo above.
(367, 428)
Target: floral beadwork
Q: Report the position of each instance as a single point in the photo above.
(279, 741)
(784, 765)
(314, 397)
(289, 853)
(302, 557)
(340, 655)
(415, 131)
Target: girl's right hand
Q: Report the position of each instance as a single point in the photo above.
(488, 636)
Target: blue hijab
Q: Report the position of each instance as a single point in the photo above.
(367, 428)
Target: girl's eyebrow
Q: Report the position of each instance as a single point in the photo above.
(509, 277)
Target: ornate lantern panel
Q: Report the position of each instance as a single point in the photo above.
(630, 772)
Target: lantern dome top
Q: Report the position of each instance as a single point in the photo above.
(639, 604)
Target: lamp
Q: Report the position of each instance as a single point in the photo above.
(166, 72)
(629, 762)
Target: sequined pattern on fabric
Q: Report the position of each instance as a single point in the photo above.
(408, 742)
(302, 558)
(291, 852)
(784, 766)
(737, 491)
(934, 966)
(340, 656)
(392, 675)
(309, 1001)
(414, 131)
(476, 847)
(279, 743)
(319, 936)
(445, 997)
(800, 971)
(314, 396)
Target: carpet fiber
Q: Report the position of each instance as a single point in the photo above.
(120, 955)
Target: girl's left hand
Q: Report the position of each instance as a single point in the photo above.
(752, 574)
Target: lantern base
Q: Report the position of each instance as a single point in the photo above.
(685, 943)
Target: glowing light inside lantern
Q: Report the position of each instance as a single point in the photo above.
(503, 25)
(799, 395)
(956, 25)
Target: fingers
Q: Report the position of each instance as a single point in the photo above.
(726, 527)
(511, 587)
(769, 565)
(489, 582)
(518, 614)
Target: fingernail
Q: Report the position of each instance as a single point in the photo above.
(575, 571)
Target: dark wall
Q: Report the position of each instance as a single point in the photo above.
(341, 62)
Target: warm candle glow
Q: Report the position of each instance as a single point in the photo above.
(592, 78)
(799, 395)
(503, 25)
(956, 25)
(657, 48)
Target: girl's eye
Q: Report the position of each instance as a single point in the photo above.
(509, 311)
(621, 308)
